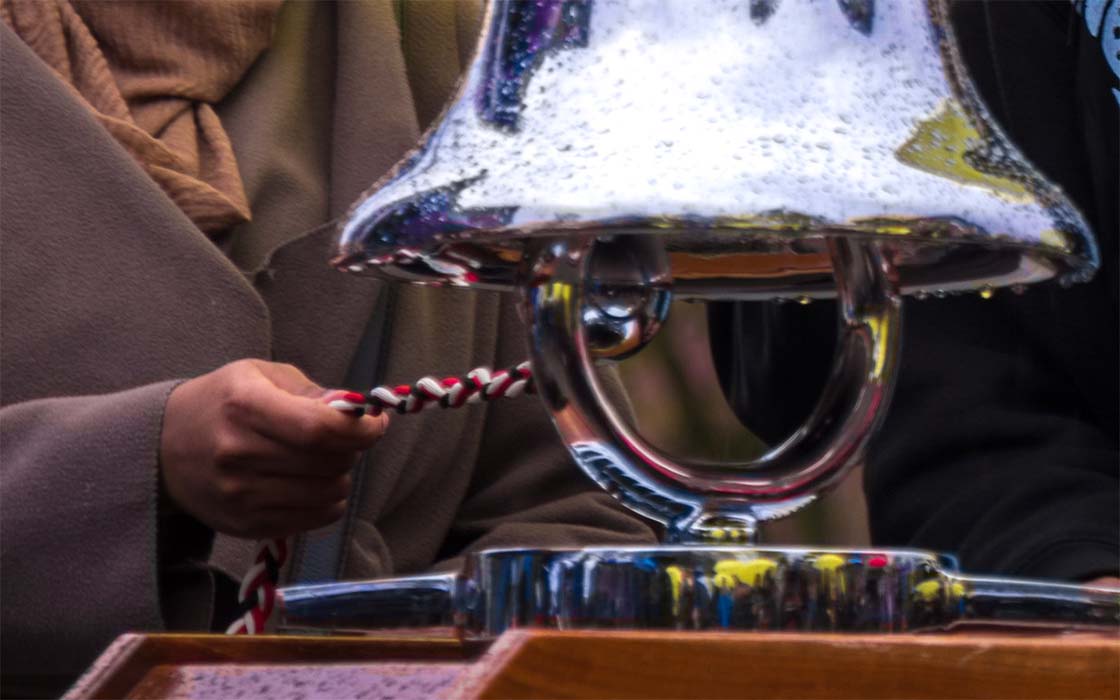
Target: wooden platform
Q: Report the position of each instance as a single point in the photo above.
(728, 665)
(542, 664)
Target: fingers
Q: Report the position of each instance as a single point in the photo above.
(267, 493)
(311, 424)
(247, 451)
(289, 378)
(296, 419)
(275, 506)
(251, 449)
(288, 463)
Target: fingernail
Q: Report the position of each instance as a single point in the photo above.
(356, 410)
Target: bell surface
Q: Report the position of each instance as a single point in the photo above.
(742, 134)
(709, 588)
(760, 149)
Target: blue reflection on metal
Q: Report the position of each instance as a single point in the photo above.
(860, 14)
(527, 32)
(413, 219)
(762, 9)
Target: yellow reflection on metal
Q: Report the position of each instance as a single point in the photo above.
(933, 590)
(828, 562)
(893, 230)
(878, 326)
(731, 533)
(676, 578)
(831, 575)
(732, 571)
(770, 222)
(939, 145)
(929, 591)
(1056, 239)
(557, 291)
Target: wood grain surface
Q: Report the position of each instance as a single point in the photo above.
(207, 665)
(607, 664)
(538, 664)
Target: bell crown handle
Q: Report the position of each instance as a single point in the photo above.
(703, 501)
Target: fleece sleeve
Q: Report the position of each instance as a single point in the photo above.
(87, 551)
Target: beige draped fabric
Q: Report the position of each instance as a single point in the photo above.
(150, 72)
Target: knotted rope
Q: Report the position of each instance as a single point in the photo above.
(257, 594)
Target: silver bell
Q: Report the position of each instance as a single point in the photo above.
(734, 131)
(602, 155)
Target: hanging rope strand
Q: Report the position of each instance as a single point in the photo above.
(257, 595)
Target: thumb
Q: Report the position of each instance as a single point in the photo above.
(290, 379)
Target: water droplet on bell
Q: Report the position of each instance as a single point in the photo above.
(1019, 289)
(804, 300)
(921, 295)
(987, 292)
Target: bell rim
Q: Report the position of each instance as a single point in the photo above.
(1072, 256)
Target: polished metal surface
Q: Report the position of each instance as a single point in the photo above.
(627, 295)
(698, 588)
(741, 135)
(423, 603)
(706, 501)
(602, 156)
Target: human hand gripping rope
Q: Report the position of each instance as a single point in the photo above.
(257, 595)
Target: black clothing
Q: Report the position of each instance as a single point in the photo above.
(1001, 443)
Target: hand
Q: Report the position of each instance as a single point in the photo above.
(251, 450)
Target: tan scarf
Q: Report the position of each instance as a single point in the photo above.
(150, 71)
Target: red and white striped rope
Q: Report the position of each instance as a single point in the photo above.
(478, 385)
(257, 594)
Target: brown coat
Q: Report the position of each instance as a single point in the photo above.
(110, 295)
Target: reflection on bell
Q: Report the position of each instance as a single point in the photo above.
(604, 154)
(737, 150)
(742, 134)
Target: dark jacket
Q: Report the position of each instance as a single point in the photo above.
(1001, 442)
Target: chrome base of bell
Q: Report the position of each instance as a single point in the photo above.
(695, 588)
